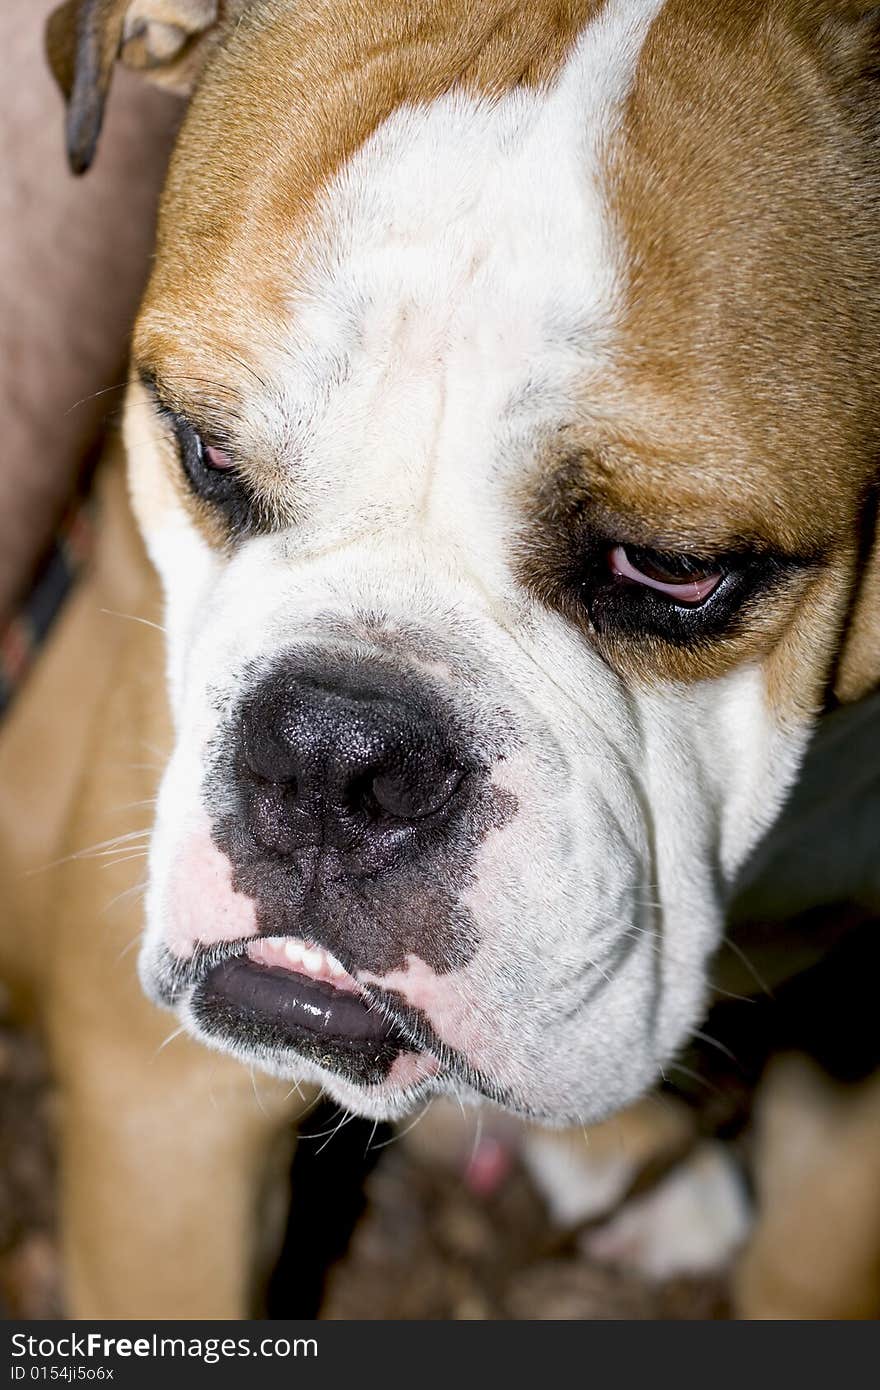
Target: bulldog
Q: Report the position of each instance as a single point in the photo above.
(502, 427)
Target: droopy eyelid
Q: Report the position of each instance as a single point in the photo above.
(180, 420)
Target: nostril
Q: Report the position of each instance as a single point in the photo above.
(401, 799)
(264, 759)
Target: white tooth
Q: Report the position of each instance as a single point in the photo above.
(335, 968)
(293, 951)
(313, 960)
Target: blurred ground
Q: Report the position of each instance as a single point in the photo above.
(427, 1247)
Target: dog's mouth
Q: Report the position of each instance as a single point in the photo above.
(283, 995)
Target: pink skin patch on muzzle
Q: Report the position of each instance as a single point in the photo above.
(411, 1068)
(203, 907)
(447, 1007)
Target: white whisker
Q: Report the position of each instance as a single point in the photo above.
(133, 618)
(170, 1039)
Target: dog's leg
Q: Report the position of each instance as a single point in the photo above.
(816, 1249)
(165, 1147)
(164, 1150)
(165, 1161)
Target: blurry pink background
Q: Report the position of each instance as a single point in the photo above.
(73, 258)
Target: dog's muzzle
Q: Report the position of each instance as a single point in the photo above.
(348, 801)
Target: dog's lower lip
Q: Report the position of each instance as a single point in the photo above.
(296, 1005)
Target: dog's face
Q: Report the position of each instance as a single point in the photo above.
(501, 425)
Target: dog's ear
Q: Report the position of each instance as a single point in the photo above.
(165, 39)
(848, 34)
(858, 665)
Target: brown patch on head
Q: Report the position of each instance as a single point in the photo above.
(744, 407)
(749, 203)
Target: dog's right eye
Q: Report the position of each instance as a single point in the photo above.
(214, 477)
(216, 458)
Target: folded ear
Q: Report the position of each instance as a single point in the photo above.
(858, 665)
(848, 36)
(167, 39)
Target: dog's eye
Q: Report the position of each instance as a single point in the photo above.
(214, 477)
(681, 578)
(201, 457)
(624, 588)
(636, 592)
(216, 458)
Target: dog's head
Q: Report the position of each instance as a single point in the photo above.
(503, 425)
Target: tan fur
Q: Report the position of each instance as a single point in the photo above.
(804, 250)
(858, 670)
(751, 268)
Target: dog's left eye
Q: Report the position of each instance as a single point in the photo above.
(636, 592)
(204, 461)
(681, 578)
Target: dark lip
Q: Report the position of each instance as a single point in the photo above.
(182, 980)
(298, 1005)
(185, 979)
(262, 1010)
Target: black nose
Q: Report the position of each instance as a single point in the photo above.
(344, 766)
